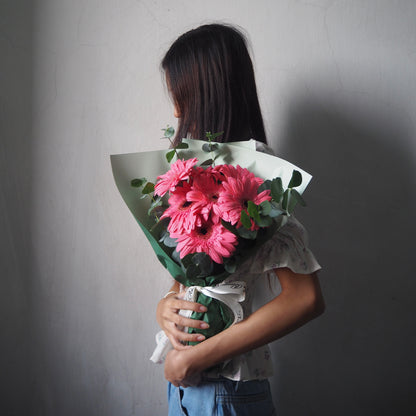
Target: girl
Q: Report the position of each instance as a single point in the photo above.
(210, 77)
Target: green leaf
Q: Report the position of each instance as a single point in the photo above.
(207, 162)
(229, 227)
(263, 221)
(206, 148)
(285, 200)
(170, 154)
(281, 221)
(275, 212)
(176, 256)
(169, 132)
(209, 147)
(187, 260)
(192, 271)
(138, 182)
(155, 203)
(168, 241)
(212, 136)
(245, 219)
(296, 195)
(296, 179)
(148, 188)
(253, 210)
(291, 202)
(276, 189)
(204, 262)
(230, 264)
(182, 145)
(247, 234)
(265, 208)
(264, 186)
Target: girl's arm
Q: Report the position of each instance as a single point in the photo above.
(299, 301)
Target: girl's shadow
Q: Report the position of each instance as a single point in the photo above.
(358, 358)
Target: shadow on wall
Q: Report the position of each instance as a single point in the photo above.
(358, 358)
(15, 212)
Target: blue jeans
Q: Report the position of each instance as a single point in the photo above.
(222, 397)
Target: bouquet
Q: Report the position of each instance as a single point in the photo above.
(212, 206)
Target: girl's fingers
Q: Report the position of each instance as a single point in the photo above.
(178, 336)
(187, 322)
(177, 304)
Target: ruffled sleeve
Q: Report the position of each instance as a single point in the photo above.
(288, 247)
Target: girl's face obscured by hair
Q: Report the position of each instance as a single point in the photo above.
(211, 80)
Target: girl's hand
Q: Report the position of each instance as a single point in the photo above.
(169, 320)
(178, 370)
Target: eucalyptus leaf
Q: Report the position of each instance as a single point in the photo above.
(182, 145)
(212, 136)
(206, 148)
(247, 234)
(296, 195)
(192, 271)
(148, 188)
(263, 221)
(281, 221)
(230, 264)
(209, 147)
(207, 162)
(292, 201)
(138, 182)
(265, 208)
(176, 256)
(168, 241)
(170, 155)
(275, 212)
(285, 200)
(245, 219)
(252, 208)
(296, 179)
(229, 227)
(155, 204)
(169, 132)
(187, 260)
(264, 186)
(204, 262)
(276, 189)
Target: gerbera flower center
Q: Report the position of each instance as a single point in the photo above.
(205, 231)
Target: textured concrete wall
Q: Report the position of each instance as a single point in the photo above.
(80, 81)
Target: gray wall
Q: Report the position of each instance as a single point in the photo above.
(79, 81)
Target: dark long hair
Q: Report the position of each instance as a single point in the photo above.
(210, 77)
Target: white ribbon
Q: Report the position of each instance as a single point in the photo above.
(231, 294)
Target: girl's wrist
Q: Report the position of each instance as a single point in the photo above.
(193, 361)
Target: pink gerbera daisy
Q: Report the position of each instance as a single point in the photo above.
(179, 171)
(210, 238)
(237, 190)
(181, 212)
(230, 171)
(204, 193)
